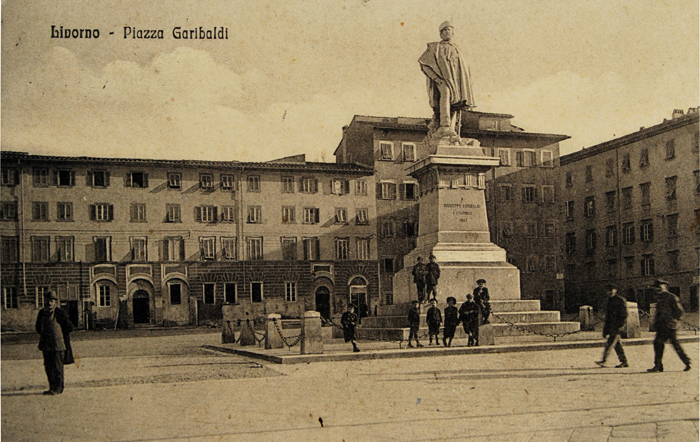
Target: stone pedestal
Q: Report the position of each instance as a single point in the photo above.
(227, 335)
(312, 339)
(632, 329)
(247, 337)
(486, 335)
(585, 317)
(272, 337)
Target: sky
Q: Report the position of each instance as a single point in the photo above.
(293, 73)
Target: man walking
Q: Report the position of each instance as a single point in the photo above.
(54, 329)
(615, 319)
(432, 276)
(668, 312)
(349, 323)
(414, 323)
(419, 274)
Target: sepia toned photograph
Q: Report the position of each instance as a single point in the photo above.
(362, 220)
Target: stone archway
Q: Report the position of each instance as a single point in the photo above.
(141, 307)
(323, 301)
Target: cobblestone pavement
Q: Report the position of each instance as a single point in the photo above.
(168, 389)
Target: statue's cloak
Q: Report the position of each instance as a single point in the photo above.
(443, 58)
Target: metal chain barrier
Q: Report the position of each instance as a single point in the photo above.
(684, 324)
(296, 341)
(554, 336)
(252, 330)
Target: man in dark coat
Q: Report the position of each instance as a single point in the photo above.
(414, 323)
(434, 319)
(432, 276)
(615, 319)
(349, 322)
(469, 315)
(451, 321)
(668, 312)
(54, 328)
(419, 274)
(482, 298)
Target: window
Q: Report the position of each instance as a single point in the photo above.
(255, 249)
(647, 230)
(648, 265)
(506, 230)
(645, 189)
(389, 298)
(670, 149)
(173, 213)
(409, 191)
(589, 173)
(39, 296)
(589, 207)
(312, 250)
(531, 263)
(136, 179)
(311, 215)
(174, 180)
(40, 248)
(64, 248)
(9, 177)
(611, 236)
(64, 211)
(696, 175)
(626, 163)
(228, 182)
(9, 249)
(361, 217)
(175, 290)
(253, 183)
(569, 179)
(526, 158)
(209, 293)
(628, 233)
(309, 185)
(231, 293)
(386, 151)
(342, 246)
(288, 214)
(101, 212)
(571, 243)
(629, 264)
(254, 214)
(64, 177)
(40, 177)
(340, 187)
(40, 211)
(671, 188)
(569, 208)
(612, 268)
(530, 229)
(361, 187)
(547, 158)
(98, 178)
(287, 184)
(11, 297)
(610, 201)
(673, 260)
(591, 271)
(672, 225)
(488, 192)
(289, 249)
(103, 248)
(388, 190)
(644, 157)
(529, 193)
(550, 263)
(207, 247)
(363, 249)
(504, 155)
(228, 248)
(388, 264)
(410, 229)
(341, 215)
(138, 213)
(104, 294)
(548, 194)
(627, 198)
(409, 151)
(206, 214)
(139, 251)
(228, 214)
(173, 248)
(256, 291)
(206, 181)
(388, 229)
(290, 291)
(696, 142)
(609, 168)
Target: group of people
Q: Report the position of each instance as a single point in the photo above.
(426, 276)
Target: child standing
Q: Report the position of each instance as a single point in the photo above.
(451, 321)
(434, 319)
(414, 323)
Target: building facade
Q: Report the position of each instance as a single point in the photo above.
(630, 214)
(521, 195)
(184, 242)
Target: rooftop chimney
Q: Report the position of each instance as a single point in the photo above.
(677, 113)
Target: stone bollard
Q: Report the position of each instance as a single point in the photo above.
(247, 337)
(585, 317)
(272, 337)
(632, 329)
(486, 335)
(227, 335)
(312, 339)
(652, 313)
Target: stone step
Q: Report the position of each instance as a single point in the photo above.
(514, 305)
(499, 330)
(402, 321)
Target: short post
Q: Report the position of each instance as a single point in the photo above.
(227, 335)
(585, 317)
(312, 336)
(486, 336)
(652, 315)
(632, 329)
(247, 337)
(272, 337)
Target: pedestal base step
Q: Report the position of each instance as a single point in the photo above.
(514, 305)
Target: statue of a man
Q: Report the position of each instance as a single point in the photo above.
(449, 83)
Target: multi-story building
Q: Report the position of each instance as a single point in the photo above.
(630, 214)
(180, 242)
(521, 195)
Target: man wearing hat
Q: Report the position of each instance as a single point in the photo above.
(431, 278)
(615, 319)
(54, 329)
(414, 323)
(449, 83)
(482, 298)
(668, 312)
(419, 274)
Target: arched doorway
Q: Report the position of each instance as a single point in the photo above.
(141, 307)
(323, 302)
(358, 296)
